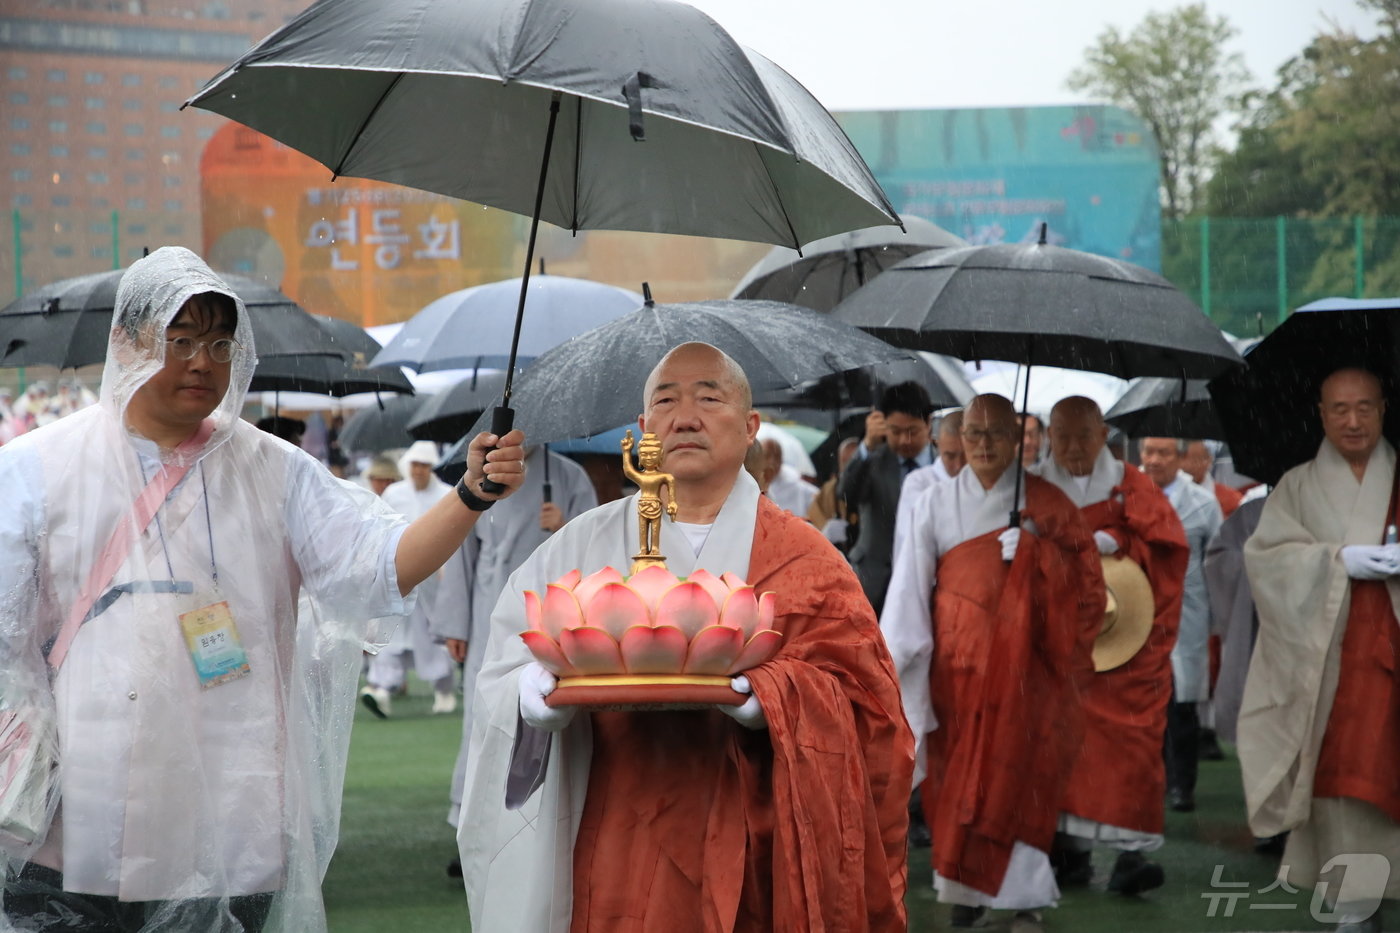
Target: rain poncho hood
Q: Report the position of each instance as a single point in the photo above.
(208, 799)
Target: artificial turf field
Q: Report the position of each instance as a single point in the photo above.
(389, 872)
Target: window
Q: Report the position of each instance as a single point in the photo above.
(134, 155)
(97, 178)
(97, 152)
(61, 200)
(96, 127)
(59, 151)
(101, 204)
(58, 100)
(173, 205)
(19, 123)
(22, 200)
(170, 106)
(137, 229)
(56, 75)
(99, 252)
(94, 77)
(58, 126)
(133, 178)
(172, 181)
(15, 73)
(19, 97)
(170, 132)
(20, 149)
(131, 80)
(131, 103)
(63, 250)
(133, 129)
(169, 81)
(205, 132)
(94, 103)
(136, 204)
(99, 226)
(21, 174)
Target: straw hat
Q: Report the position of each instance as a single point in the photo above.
(1128, 617)
(384, 468)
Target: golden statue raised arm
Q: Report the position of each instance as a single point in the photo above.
(649, 480)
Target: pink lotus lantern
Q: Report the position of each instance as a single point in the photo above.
(649, 640)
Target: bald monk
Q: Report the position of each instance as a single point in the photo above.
(1115, 793)
(787, 813)
(1320, 718)
(990, 628)
(1197, 462)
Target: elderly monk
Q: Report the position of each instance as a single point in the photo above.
(1321, 709)
(1197, 462)
(990, 627)
(1116, 790)
(787, 813)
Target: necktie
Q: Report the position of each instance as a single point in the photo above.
(910, 464)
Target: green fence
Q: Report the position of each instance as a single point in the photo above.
(1249, 274)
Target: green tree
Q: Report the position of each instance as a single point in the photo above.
(1174, 73)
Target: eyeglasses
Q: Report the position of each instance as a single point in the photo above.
(187, 348)
(980, 436)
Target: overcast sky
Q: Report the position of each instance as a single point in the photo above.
(907, 54)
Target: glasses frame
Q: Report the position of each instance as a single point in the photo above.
(173, 344)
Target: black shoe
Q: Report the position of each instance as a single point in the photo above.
(1133, 874)
(919, 835)
(1270, 845)
(1181, 801)
(1073, 868)
(454, 868)
(1210, 749)
(964, 917)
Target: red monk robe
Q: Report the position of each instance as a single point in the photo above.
(1119, 777)
(1011, 651)
(1228, 498)
(693, 823)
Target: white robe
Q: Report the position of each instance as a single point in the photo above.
(1200, 515)
(518, 865)
(791, 492)
(1303, 597)
(474, 578)
(940, 518)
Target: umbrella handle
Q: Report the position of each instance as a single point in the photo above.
(502, 420)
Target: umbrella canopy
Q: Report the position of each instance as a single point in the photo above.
(66, 323)
(472, 328)
(940, 376)
(1157, 407)
(1040, 304)
(455, 98)
(447, 415)
(595, 381)
(1269, 409)
(380, 427)
(831, 268)
(343, 372)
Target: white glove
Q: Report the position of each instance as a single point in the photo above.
(750, 715)
(1009, 539)
(1371, 561)
(536, 683)
(1106, 542)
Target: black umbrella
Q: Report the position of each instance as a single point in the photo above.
(66, 323)
(1269, 409)
(594, 382)
(1157, 407)
(1040, 305)
(831, 268)
(664, 123)
(342, 372)
(941, 376)
(383, 426)
(449, 414)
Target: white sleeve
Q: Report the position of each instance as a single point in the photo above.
(906, 622)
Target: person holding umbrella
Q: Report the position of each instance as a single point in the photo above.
(990, 628)
(787, 812)
(1115, 793)
(1321, 706)
(152, 549)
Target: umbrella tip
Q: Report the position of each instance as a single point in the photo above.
(646, 294)
(1044, 227)
(542, 265)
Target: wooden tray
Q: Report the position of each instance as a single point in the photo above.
(641, 692)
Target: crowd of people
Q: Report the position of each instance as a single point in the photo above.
(996, 643)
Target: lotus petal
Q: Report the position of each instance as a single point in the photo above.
(548, 653)
(570, 580)
(615, 609)
(741, 611)
(714, 650)
(533, 615)
(659, 650)
(712, 584)
(561, 611)
(760, 648)
(589, 586)
(651, 584)
(732, 580)
(767, 608)
(689, 608)
(591, 651)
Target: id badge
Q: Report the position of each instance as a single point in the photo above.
(214, 645)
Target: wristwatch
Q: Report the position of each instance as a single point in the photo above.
(470, 499)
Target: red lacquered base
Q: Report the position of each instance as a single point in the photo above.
(645, 692)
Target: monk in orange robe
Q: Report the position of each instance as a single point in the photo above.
(787, 813)
(1321, 705)
(1116, 790)
(990, 627)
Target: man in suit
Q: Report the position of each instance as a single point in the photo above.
(897, 435)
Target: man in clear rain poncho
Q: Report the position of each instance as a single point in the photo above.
(201, 724)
